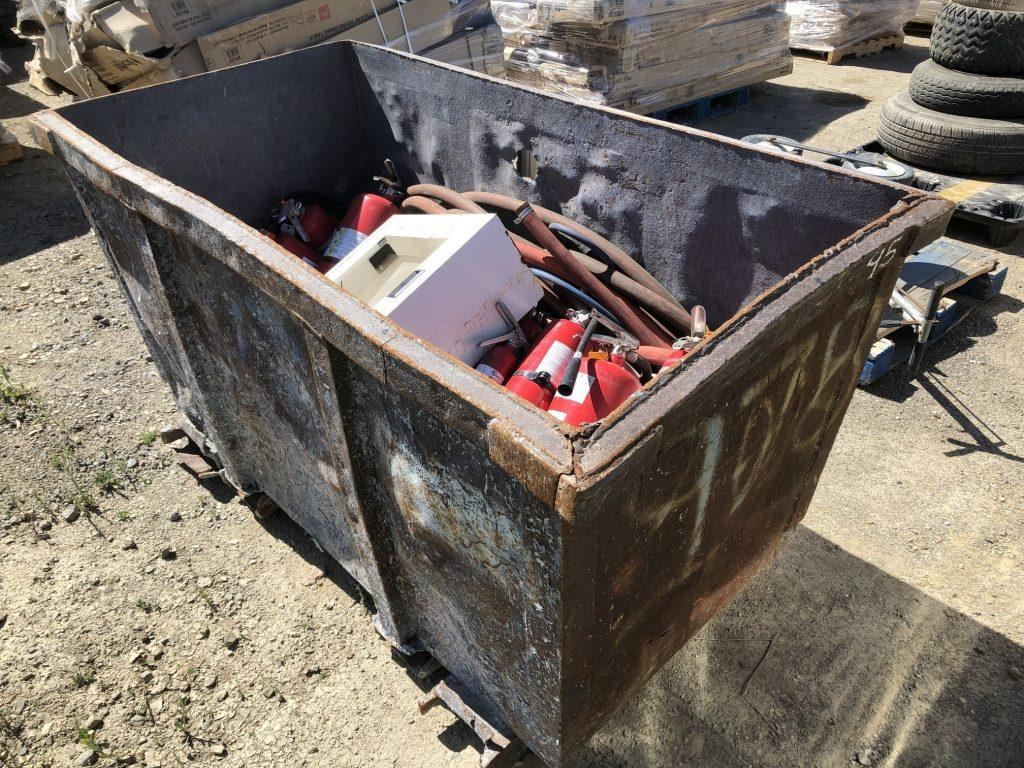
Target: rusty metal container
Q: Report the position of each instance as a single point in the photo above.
(551, 570)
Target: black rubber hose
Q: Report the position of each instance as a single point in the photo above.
(604, 267)
(576, 239)
(585, 279)
(568, 382)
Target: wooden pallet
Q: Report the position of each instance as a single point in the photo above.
(706, 107)
(856, 50)
(10, 149)
(965, 276)
(918, 28)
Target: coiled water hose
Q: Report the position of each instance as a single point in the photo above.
(621, 259)
(670, 312)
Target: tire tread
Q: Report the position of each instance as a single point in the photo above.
(932, 139)
(978, 40)
(959, 93)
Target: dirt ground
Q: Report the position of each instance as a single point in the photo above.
(173, 627)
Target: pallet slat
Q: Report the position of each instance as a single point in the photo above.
(965, 276)
(10, 149)
(706, 107)
(855, 50)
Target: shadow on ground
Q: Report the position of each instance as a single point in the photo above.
(12, 103)
(860, 663)
(286, 530)
(785, 110)
(824, 658)
(37, 207)
(902, 60)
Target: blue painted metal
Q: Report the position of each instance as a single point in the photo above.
(707, 107)
(933, 267)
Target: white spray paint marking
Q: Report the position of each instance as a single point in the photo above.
(712, 452)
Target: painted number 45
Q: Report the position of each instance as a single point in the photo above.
(883, 258)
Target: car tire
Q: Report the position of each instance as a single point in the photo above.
(969, 145)
(979, 40)
(962, 93)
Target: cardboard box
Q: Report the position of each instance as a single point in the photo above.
(59, 61)
(133, 29)
(309, 22)
(182, 21)
(481, 50)
(93, 36)
(421, 23)
(10, 149)
(115, 66)
(132, 70)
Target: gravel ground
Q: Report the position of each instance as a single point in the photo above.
(146, 618)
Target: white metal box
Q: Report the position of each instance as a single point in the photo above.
(439, 276)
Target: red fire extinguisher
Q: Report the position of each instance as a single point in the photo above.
(304, 220)
(503, 352)
(291, 243)
(601, 386)
(542, 369)
(366, 213)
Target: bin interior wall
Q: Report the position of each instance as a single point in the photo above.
(242, 141)
(717, 223)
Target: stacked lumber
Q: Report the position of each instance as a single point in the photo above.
(827, 25)
(95, 47)
(645, 56)
(926, 12)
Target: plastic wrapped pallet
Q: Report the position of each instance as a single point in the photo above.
(825, 25)
(663, 56)
(412, 26)
(926, 12)
(481, 50)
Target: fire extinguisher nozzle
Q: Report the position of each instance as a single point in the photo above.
(568, 382)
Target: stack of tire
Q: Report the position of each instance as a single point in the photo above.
(964, 112)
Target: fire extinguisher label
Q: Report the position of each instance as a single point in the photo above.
(580, 390)
(342, 243)
(555, 360)
(486, 370)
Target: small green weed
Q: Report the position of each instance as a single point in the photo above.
(83, 678)
(65, 461)
(89, 741)
(111, 478)
(11, 392)
(146, 606)
(182, 721)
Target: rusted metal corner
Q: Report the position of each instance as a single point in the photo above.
(520, 456)
(641, 453)
(565, 498)
(594, 451)
(40, 131)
